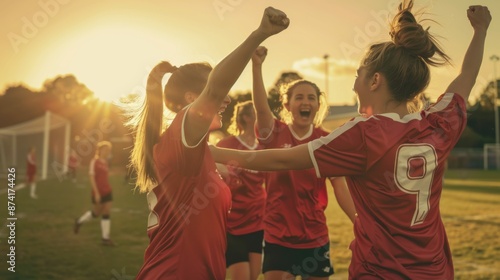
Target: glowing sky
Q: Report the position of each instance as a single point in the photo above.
(110, 45)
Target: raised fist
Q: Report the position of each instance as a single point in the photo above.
(479, 17)
(273, 21)
(259, 55)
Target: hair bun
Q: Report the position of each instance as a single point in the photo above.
(407, 33)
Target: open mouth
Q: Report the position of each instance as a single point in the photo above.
(305, 113)
(221, 111)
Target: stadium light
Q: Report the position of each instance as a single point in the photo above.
(495, 59)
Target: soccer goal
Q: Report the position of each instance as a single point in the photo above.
(48, 134)
(491, 156)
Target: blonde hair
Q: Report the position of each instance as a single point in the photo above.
(237, 121)
(147, 124)
(100, 145)
(404, 60)
(286, 95)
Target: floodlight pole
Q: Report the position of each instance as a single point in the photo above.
(326, 77)
(495, 59)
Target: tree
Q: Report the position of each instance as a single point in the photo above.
(481, 117)
(274, 96)
(68, 90)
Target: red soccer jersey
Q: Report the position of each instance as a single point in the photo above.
(294, 216)
(189, 208)
(395, 167)
(31, 167)
(98, 168)
(247, 191)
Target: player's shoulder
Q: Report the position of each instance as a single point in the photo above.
(446, 101)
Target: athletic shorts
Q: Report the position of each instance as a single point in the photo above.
(239, 246)
(106, 198)
(313, 262)
(31, 177)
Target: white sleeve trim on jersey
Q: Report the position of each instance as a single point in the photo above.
(270, 132)
(313, 159)
(183, 134)
(91, 167)
(443, 103)
(317, 143)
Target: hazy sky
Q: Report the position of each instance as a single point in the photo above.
(110, 45)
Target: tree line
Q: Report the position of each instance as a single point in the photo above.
(67, 97)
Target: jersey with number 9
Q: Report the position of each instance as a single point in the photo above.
(395, 168)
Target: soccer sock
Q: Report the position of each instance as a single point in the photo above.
(86, 217)
(32, 189)
(105, 227)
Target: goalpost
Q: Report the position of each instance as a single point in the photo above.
(491, 156)
(49, 134)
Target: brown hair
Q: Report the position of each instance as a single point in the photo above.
(148, 123)
(286, 95)
(237, 121)
(404, 60)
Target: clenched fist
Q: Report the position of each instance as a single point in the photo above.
(273, 22)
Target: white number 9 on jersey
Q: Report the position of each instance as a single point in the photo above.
(414, 172)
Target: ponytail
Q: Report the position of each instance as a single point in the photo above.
(148, 126)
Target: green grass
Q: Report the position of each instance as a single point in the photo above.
(46, 247)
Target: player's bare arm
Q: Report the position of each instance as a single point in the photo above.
(480, 18)
(225, 74)
(263, 112)
(295, 158)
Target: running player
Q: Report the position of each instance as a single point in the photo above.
(102, 196)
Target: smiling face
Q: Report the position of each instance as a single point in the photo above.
(217, 120)
(303, 104)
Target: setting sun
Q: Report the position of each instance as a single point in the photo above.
(113, 60)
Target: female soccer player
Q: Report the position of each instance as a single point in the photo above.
(189, 201)
(295, 229)
(102, 196)
(393, 157)
(244, 223)
(31, 171)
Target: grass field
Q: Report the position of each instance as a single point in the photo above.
(46, 247)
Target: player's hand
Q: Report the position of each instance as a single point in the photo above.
(479, 17)
(273, 22)
(259, 55)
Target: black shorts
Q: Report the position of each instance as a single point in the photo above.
(304, 262)
(106, 198)
(239, 246)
